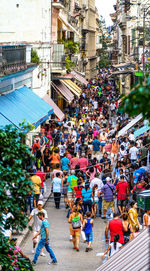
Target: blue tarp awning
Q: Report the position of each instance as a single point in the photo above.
(23, 104)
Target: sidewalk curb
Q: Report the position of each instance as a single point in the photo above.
(23, 236)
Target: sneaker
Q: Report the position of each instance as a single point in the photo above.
(43, 254)
(52, 262)
(87, 249)
(33, 251)
(33, 263)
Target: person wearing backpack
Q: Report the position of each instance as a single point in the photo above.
(76, 220)
(71, 182)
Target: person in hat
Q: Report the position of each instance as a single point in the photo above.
(37, 223)
(108, 191)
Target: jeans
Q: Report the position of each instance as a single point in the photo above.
(87, 204)
(57, 197)
(41, 244)
(29, 202)
(100, 203)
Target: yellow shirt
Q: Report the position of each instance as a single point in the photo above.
(135, 217)
(37, 183)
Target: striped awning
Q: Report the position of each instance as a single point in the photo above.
(72, 86)
(79, 78)
(134, 256)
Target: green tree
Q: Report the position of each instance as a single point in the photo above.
(34, 56)
(104, 40)
(14, 159)
(138, 101)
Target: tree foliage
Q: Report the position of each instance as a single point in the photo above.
(69, 64)
(138, 101)
(34, 56)
(104, 40)
(14, 187)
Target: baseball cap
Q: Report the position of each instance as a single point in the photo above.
(40, 202)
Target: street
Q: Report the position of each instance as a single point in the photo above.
(68, 259)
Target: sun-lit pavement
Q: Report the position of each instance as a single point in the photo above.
(68, 259)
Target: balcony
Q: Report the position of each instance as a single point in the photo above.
(14, 58)
(58, 58)
(58, 4)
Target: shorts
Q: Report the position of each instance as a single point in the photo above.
(36, 240)
(89, 237)
(122, 203)
(103, 144)
(113, 155)
(76, 232)
(70, 195)
(108, 204)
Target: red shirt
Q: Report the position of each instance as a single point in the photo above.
(41, 175)
(122, 188)
(78, 191)
(140, 186)
(116, 227)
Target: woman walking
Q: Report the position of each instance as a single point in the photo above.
(76, 221)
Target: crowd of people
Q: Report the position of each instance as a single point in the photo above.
(96, 172)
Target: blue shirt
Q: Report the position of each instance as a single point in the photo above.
(137, 173)
(87, 194)
(44, 225)
(65, 161)
(56, 185)
(96, 145)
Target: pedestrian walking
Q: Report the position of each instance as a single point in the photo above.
(44, 242)
(57, 189)
(88, 224)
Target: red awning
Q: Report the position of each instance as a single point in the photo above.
(79, 78)
(58, 86)
(56, 109)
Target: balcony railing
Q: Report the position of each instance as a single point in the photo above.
(12, 59)
(58, 57)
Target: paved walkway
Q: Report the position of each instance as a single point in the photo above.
(68, 259)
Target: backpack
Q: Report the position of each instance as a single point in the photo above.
(73, 182)
(76, 222)
(46, 140)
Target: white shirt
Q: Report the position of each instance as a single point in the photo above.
(113, 250)
(62, 149)
(95, 104)
(98, 182)
(112, 106)
(134, 153)
(131, 137)
(37, 221)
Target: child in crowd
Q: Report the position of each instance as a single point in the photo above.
(113, 247)
(88, 224)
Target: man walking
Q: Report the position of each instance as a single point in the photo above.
(108, 190)
(37, 223)
(44, 242)
(57, 189)
(122, 188)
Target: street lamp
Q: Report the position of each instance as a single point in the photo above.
(146, 12)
